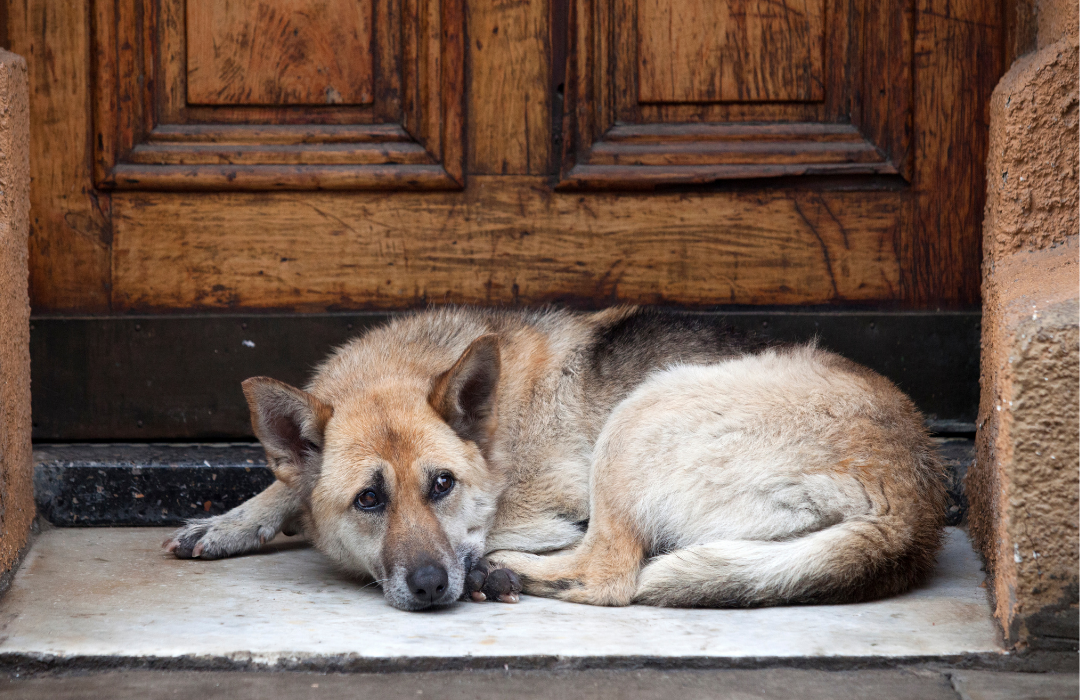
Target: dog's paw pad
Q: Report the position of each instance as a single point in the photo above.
(502, 585)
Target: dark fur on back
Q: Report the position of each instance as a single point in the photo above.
(624, 353)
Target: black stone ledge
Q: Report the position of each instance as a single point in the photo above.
(87, 485)
(144, 484)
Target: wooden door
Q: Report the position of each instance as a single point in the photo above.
(314, 155)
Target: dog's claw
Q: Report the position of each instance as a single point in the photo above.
(510, 597)
(477, 596)
(184, 542)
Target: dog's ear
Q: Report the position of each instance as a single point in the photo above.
(290, 424)
(464, 395)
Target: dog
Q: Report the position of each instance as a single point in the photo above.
(623, 456)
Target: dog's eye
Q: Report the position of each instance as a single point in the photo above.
(368, 500)
(443, 483)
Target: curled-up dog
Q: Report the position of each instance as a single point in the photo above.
(617, 457)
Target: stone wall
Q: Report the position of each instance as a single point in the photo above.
(16, 482)
(1023, 488)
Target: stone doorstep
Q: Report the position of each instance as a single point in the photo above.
(79, 485)
(98, 598)
(92, 598)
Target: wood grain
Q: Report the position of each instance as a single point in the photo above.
(503, 240)
(958, 61)
(730, 50)
(284, 52)
(70, 232)
(509, 127)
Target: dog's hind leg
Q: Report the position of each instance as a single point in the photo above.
(243, 529)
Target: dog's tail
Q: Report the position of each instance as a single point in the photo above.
(858, 559)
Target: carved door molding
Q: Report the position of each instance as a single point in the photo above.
(706, 90)
(195, 96)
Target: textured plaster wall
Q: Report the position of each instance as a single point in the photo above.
(1023, 487)
(16, 484)
(1031, 191)
(1056, 20)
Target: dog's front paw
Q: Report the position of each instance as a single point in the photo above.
(218, 537)
(486, 582)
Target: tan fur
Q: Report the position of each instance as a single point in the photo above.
(707, 476)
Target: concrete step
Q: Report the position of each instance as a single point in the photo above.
(79, 485)
(92, 598)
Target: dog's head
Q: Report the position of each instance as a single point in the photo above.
(392, 473)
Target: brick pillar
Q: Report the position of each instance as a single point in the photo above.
(1023, 487)
(16, 482)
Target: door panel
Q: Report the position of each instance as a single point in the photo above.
(285, 52)
(589, 158)
(730, 50)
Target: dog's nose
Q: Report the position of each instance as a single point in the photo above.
(427, 583)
